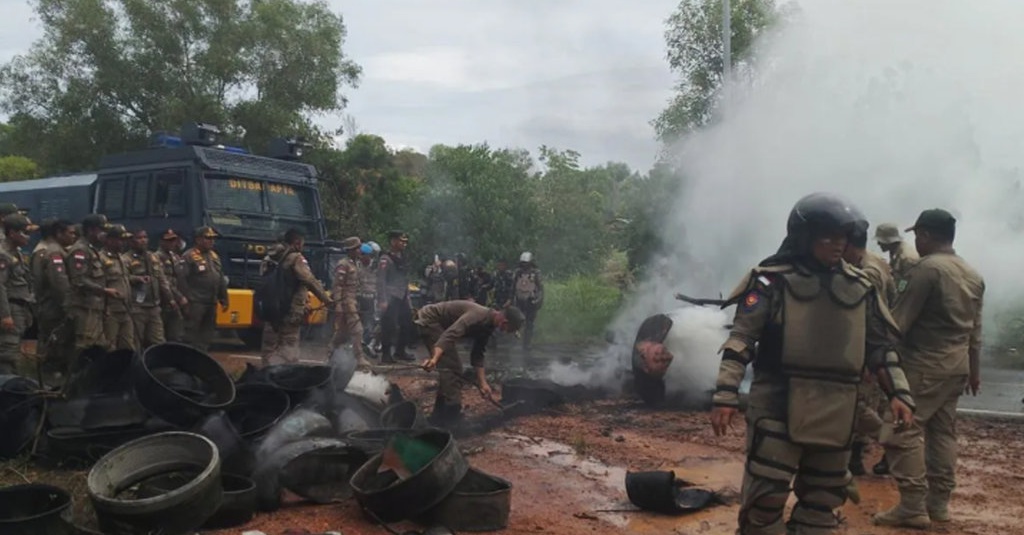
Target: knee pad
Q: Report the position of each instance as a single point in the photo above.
(772, 455)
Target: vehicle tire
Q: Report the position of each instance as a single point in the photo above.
(393, 499)
(35, 509)
(181, 384)
(181, 510)
(252, 338)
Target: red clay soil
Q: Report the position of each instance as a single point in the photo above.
(568, 470)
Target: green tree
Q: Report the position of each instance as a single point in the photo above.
(365, 188)
(475, 200)
(14, 168)
(578, 212)
(694, 40)
(107, 73)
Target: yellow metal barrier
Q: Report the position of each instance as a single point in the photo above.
(239, 314)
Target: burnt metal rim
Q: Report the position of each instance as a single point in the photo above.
(186, 489)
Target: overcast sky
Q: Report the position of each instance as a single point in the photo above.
(582, 74)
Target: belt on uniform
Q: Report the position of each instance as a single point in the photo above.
(367, 296)
(19, 301)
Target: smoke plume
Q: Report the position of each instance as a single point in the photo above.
(898, 106)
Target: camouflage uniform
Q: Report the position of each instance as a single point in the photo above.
(204, 288)
(87, 298)
(174, 273)
(281, 339)
(118, 329)
(345, 291)
(51, 287)
(16, 301)
(368, 300)
(147, 297)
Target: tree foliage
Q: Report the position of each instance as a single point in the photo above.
(14, 168)
(695, 55)
(107, 73)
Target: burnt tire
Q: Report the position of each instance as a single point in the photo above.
(238, 506)
(34, 509)
(122, 510)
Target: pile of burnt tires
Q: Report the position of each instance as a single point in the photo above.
(174, 445)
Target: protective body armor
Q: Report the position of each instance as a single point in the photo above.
(816, 339)
(823, 344)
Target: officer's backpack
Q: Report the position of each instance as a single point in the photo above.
(272, 297)
(526, 286)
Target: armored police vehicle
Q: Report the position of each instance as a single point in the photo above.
(190, 181)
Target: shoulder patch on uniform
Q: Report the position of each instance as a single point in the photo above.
(57, 259)
(901, 285)
(80, 255)
(752, 301)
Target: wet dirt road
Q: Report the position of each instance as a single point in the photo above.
(568, 467)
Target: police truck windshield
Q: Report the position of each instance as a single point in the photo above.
(259, 209)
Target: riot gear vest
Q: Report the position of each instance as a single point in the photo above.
(824, 325)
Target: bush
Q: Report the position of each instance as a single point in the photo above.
(575, 310)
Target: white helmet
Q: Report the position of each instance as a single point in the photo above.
(526, 257)
(373, 245)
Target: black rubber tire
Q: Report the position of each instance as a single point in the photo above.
(178, 406)
(238, 506)
(392, 499)
(35, 510)
(179, 511)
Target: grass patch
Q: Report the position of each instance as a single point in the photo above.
(576, 310)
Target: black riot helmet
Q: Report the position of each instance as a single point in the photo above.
(811, 216)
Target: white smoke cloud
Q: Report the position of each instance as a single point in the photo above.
(899, 106)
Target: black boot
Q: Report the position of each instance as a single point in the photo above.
(445, 415)
(856, 466)
(882, 468)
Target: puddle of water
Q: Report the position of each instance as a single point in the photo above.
(704, 471)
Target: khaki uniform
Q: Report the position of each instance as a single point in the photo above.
(281, 340)
(52, 289)
(902, 258)
(87, 298)
(802, 403)
(345, 290)
(174, 273)
(118, 328)
(16, 302)
(939, 311)
(147, 297)
(873, 405)
(442, 325)
(204, 288)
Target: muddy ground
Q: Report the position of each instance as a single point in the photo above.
(568, 468)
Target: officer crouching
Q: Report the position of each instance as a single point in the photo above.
(817, 323)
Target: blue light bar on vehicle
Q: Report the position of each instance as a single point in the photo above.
(168, 141)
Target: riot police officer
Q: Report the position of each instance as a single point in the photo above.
(393, 299)
(816, 323)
